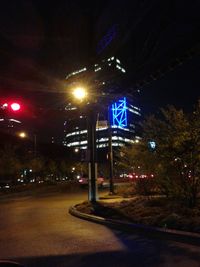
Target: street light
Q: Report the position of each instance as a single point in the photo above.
(80, 93)
(25, 135)
(22, 135)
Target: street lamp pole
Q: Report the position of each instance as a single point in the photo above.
(81, 94)
(92, 166)
(35, 145)
(110, 154)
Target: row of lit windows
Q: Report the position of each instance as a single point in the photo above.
(134, 111)
(123, 129)
(99, 129)
(117, 66)
(96, 69)
(76, 133)
(102, 140)
(99, 68)
(111, 58)
(70, 108)
(120, 68)
(76, 72)
(135, 107)
(102, 145)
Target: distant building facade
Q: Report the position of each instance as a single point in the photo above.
(122, 113)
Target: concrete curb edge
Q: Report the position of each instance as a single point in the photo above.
(152, 232)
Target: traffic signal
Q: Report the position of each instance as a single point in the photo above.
(15, 106)
(10, 109)
(11, 106)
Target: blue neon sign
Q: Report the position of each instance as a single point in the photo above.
(119, 113)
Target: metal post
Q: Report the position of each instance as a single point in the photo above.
(35, 145)
(110, 155)
(92, 167)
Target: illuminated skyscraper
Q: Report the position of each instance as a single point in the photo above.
(123, 112)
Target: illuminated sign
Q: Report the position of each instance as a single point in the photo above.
(119, 113)
(152, 145)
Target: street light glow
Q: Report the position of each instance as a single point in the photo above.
(79, 93)
(22, 135)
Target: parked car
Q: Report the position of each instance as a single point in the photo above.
(84, 181)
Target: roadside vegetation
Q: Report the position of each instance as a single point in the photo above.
(19, 165)
(152, 211)
(170, 197)
(175, 161)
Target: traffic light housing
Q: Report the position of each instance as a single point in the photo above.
(10, 106)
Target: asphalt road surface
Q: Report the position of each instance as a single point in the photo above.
(38, 231)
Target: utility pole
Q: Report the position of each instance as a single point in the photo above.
(110, 155)
(92, 166)
(35, 145)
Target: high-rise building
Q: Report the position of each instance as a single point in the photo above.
(120, 110)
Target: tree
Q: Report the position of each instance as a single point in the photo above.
(10, 164)
(37, 165)
(64, 168)
(51, 168)
(176, 161)
(138, 159)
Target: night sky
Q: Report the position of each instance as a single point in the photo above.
(41, 41)
(180, 87)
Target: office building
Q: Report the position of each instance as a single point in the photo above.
(124, 114)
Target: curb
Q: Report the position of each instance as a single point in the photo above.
(147, 231)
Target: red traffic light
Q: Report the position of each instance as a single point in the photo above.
(15, 106)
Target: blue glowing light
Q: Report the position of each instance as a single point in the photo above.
(119, 113)
(152, 145)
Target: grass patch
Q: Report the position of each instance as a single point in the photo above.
(152, 211)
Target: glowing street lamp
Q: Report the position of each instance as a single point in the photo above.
(80, 93)
(25, 135)
(22, 135)
(76, 150)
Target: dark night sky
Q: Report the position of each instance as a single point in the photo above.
(180, 87)
(40, 41)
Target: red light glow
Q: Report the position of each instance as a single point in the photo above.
(15, 106)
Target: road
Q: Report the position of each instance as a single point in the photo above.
(38, 231)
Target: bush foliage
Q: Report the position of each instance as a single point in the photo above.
(176, 160)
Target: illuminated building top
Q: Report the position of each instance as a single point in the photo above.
(111, 62)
